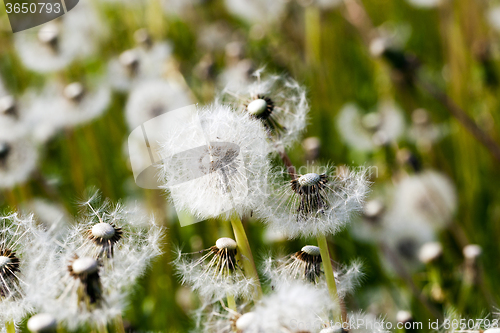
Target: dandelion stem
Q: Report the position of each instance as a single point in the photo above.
(10, 327)
(330, 277)
(231, 303)
(246, 252)
(119, 324)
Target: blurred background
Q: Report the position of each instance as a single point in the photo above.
(407, 88)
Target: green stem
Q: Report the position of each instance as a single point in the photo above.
(327, 266)
(119, 328)
(231, 303)
(10, 327)
(246, 253)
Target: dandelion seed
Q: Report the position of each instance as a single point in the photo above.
(42, 323)
(217, 273)
(314, 203)
(278, 102)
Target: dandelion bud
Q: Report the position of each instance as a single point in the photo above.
(130, 61)
(245, 321)
(42, 323)
(142, 37)
(49, 35)
(74, 92)
(8, 106)
(430, 252)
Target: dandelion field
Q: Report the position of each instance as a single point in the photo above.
(364, 133)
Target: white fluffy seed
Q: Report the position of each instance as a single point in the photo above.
(4, 261)
(311, 250)
(309, 179)
(225, 243)
(42, 323)
(430, 252)
(245, 321)
(84, 265)
(103, 230)
(257, 107)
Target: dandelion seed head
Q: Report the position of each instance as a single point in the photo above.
(225, 243)
(472, 251)
(74, 92)
(42, 323)
(404, 316)
(315, 202)
(311, 250)
(18, 159)
(84, 266)
(279, 102)
(8, 105)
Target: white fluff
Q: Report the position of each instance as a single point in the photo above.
(344, 195)
(18, 162)
(239, 186)
(290, 103)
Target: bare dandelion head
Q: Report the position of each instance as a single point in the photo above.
(86, 270)
(74, 92)
(105, 235)
(217, 273)
(42, 323)
(9, 267)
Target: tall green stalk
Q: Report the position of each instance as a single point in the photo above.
(327, 266)
(246, 252)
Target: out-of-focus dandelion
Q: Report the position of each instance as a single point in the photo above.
(423, 131)
(18, 159)
(430, 252)
(216, 274)
(314, 203)
(153, 98)
(424, 3)
(133, 66)
(372, 130)
(232, 167)
(279, 102)
(297, 308)
(258, 11)
(62, 41)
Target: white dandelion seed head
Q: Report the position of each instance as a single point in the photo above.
(493, 16)
(60, 42)
(282, 310)
(370, 131)
(430, 252)
(139, 64)
(226, 243)
(153, 98)
(113, 277)
(214, 275)
(282, 272)
(423, 131)
(427, 198)
(257, 11)
(13, 115)
(18, 160)
(309, 209)
(42, 323)
(225, 173)
(21, 265)
(279, 102)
